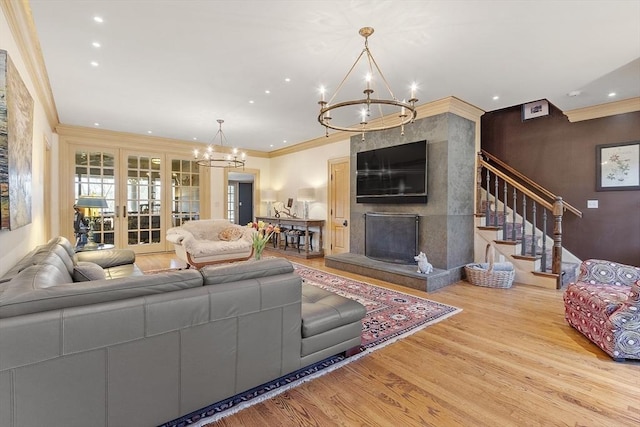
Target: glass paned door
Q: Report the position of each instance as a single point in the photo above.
(185, 191)
(143, 209)
(94, 175)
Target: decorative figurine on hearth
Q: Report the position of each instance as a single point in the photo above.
(424, 266)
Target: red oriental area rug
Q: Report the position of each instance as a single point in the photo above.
(391, 315)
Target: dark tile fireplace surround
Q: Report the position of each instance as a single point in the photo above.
(445, 222)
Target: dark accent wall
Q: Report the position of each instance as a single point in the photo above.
(561, 156)
(446, 229)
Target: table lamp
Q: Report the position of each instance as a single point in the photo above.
(306, 195)
(268, 196)
(91, 202)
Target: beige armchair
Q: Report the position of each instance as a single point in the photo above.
(211, 241)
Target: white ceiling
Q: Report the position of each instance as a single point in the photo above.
(173, 67)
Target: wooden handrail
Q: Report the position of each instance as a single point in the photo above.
(517, 185)
(529, 182)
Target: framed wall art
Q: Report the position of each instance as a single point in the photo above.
(16, 143)
(618, 166)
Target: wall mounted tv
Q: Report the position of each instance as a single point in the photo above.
(396, 174)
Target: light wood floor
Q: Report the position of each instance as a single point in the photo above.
(508, 359)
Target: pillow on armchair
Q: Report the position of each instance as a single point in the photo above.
(231, 234)
(85, 271)
(634, 295)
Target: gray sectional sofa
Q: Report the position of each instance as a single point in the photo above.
(88, 339)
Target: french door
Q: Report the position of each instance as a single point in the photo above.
(134, 185)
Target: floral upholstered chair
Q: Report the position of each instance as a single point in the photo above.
(604, 305)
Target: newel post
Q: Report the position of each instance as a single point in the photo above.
(556, 266)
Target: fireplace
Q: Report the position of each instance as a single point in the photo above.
(391, 237)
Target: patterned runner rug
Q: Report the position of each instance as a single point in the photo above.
(391, 315)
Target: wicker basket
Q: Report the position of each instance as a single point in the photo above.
(487, 275)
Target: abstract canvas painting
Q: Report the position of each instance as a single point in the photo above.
(16, 142)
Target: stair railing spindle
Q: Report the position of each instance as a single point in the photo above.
(543, 263)
(513, 215)
(523, 241)
(487, 208)
(533, 229)
(495, 211)
(504, 211)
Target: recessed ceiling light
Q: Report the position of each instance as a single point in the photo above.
(149, 131)
(251, 101)
(612, 94)
(98, 19)
(94, 63)
(287, 80)
(496, 97)
(267, 91)
(270, 145)
(95, 44)
(284, 142)
(195, 139)
(96, 124)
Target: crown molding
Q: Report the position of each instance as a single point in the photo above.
(84, 135)
(22, 26)
(450, 104)
(603, 110)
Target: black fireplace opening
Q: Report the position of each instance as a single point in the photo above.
(391, 237)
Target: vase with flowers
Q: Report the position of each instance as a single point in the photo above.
(261, 236)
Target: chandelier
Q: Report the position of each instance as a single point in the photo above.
(213, 159)
(392, 113)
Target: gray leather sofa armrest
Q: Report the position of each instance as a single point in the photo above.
(215, 274)
(108, 258)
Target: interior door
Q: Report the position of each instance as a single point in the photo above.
(141, 204)
(95, 172)
(245, 202)
(340, 207)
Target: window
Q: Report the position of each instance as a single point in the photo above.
(231, 203)
(185, 179)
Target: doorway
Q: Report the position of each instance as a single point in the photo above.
(241, 196)
(339, 205)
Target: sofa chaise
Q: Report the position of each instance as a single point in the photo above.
(211, 241)
(78, 348)
(604, 305)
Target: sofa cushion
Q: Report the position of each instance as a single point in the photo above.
(26, 261)
(323, 310)
(231, 234)
(125, 270)
(85, 271)
(43, 288)
(238, 271)
(108, 258)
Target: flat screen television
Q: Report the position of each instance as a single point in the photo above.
(396, 174)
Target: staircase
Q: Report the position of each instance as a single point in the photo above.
(512, 215)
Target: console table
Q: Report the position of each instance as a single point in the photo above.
(303, 224)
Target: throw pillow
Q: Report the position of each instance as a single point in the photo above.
(230, 234)
(85, 271)
(634, 295)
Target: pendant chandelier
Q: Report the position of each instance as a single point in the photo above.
(391, 112)
(214, 159)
